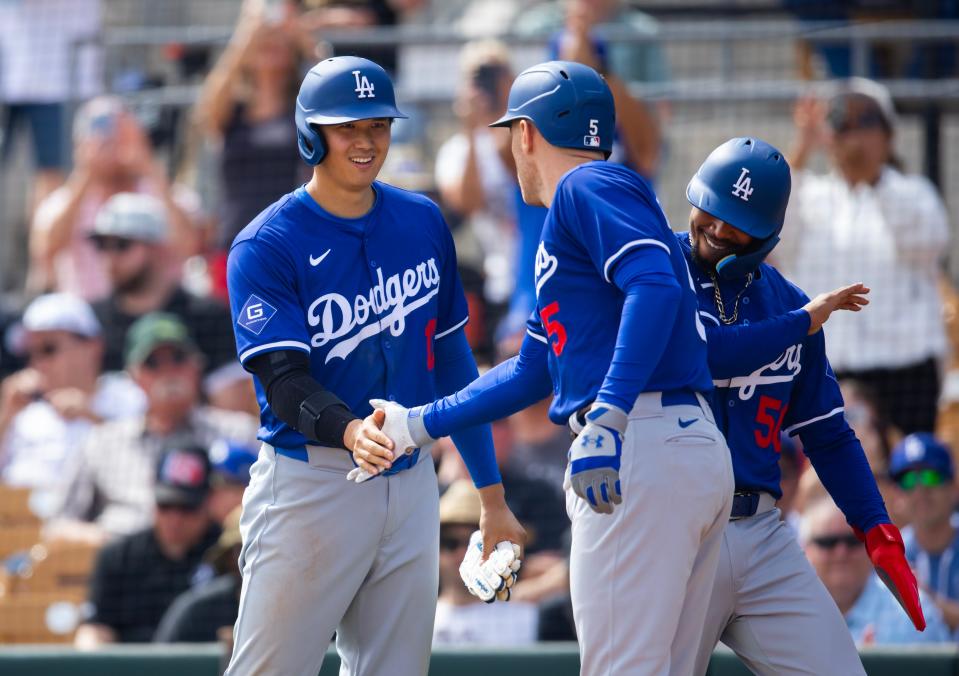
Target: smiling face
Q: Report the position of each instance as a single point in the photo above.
(355, 152)
(713, 239)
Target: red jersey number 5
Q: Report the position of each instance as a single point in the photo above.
(554, 329)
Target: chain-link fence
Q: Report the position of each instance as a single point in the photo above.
(191, 109)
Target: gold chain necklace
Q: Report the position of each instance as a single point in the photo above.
(718, 296)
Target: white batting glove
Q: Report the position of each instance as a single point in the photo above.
(490, 580)
(404, 427)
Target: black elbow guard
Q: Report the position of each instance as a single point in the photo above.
(298, 399)
(326, 416)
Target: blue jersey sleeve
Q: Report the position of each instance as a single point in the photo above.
(646, 277)
(267, 313)
(738, 349)
(609, 215)
(456, 368)
(816, 415)
(453, 312)
(505, 389)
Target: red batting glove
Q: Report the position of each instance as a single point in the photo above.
(888, 555)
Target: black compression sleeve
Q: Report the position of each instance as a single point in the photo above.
(298, 399)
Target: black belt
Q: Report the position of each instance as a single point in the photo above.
(744, 504)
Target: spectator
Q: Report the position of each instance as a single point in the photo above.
(461, 618)
(231, 473)
(923, 470)
(475, 173)
(872, 613)
(108, 485)
(637, 143)
(112, 154)
(632, 60)
(137, 577)
(345, 15)
(867, 220)
(539, 449)
(198, 614)
(246, 107)
(47, 409)
(47, 58)
(130, 234)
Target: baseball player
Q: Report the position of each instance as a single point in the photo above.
(343, 290)
(616, 335)
(768, 363)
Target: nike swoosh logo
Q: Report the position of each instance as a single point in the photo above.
(687, 423)
(316, 261)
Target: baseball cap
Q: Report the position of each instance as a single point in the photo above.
(920, 451)
(874, 99)
(231, 461)
(153, 330)
(183, 477)
(460, 504)
(132, 216)
(61, 312)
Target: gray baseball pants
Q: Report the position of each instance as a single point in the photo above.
(640, 578)
(323, 554)
(770, 608)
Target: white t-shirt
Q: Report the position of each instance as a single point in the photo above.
(38, 63)
(493, 624)
(494, 226)
(39, 442)
(892, 237)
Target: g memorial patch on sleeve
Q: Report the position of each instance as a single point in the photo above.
(255, 314)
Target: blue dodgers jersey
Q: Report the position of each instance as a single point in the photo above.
(366, 298)
(601, 212)
(795, 390)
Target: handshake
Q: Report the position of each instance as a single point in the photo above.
(403, 426)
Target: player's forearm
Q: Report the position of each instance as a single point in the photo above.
(638, 126)
(640, 342)
(839, 460)
(503, 390)
(741, 349)
(299, 400)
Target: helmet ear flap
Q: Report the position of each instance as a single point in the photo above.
(312, 146)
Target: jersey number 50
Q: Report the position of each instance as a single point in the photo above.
(768, 406)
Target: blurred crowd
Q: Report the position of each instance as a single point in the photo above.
(124, 412)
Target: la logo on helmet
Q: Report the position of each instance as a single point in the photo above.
(364, 88)
(742, 188)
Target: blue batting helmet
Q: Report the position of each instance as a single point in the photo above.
(569, 103)
(337, 90)
(745, 182)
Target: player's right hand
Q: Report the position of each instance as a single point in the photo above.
(403, 430)
(372, 449)
(594, 458)
(852, 298)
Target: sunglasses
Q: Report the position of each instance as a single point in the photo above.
(868, 120)
(928, 478)
(830, 542)
(451, 543)
(174, 357)
(181, 509)
(110, 244)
